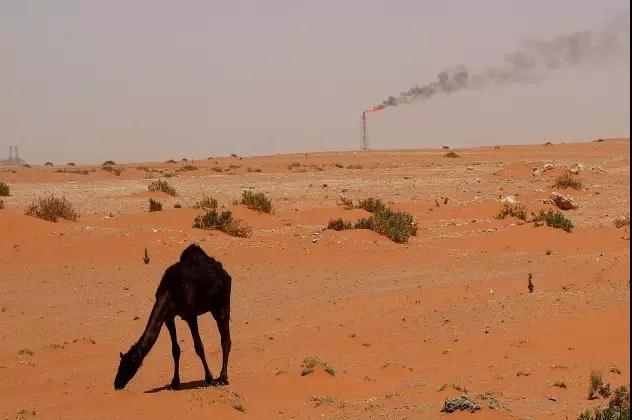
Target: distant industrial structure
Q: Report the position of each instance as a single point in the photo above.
(14, 158)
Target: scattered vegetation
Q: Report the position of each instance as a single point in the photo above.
(322, 400)
(339, 165)
(618, 408)
(177, 206)
(206, 203)
(70, 164)
(48, 164)
(233, 155)
(398, 226)
(170, 161)
(347, 203)
(339, 224)
(224, 222)
(1, 204)
(254, 169)
(187, 168)
(26, 165)
(554, 219)
(530, 285)
(560, 384)
(146, 256)
(451, 154)
(73, 171)
(113, 170)
(372, 205)
(4, 189)
(619, 222)
(109, 163)
(154, 205)
(256, 201)
(52, 209)
(163, 186)
(514, 210)
(597, 387)
(568, 180)
(548, 143)
(354, 167)
(217, 169)
(311, 363)
(26, 352)
(239, 407)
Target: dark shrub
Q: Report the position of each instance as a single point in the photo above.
(52, 209)
(256, 201)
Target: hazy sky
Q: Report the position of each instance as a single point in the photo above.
(141, 80)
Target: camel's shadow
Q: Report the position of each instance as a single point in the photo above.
(183, 386)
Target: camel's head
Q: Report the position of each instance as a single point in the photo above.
(130, 363)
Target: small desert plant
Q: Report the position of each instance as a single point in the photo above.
(451, 154)
(1, 204)
(187, 168)
(254, 169)
(372, 205)
(339, 165)
(26, 352)
(113, 170)
(109, 163)
(70, 164)
(163, 186)
(445, 147)
(217, 169)
(4, 190)
(239, 407)
(177, 206)
(206, 203)
(256, 201)
(26, 165)
(619, 222)
(560, 384)
(48, 164)
(311, 363)
(597, 386)
(548, 143)
(514, 210)
(170, 161)
(567, 181)
(223, 222)
(154, 205)
(293, 165)
(618, 407)
(52, 209)
(73, 171)
(347, 203)
(233, 155)
(339, 224)
(146, 256)
(354, 167)
(530, 285)
(398, 226)
(554, 219)
(322, 400)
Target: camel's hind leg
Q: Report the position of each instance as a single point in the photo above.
(199, 348)
(223, 325)
(175, 351)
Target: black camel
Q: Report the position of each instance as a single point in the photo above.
(191, 287)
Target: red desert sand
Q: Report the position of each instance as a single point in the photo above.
(396, 328)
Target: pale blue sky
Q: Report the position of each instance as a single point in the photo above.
(142, 80)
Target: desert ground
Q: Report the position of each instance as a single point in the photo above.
(404, 326)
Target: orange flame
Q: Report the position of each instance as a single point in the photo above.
(373, 109)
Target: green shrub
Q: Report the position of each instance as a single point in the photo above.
(339, 224)
(223, 222)
(52, 209)
(398, 226)
(554, 219)
(514, 210)
(4, 190)
(154, 205)
(206, 203)
(567, 180)
(372, 205)
(618, 408)
(163, 186)
(256, 201)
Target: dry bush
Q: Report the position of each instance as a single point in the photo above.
(398, 226)
(187, 168)
(1, 204)
(256, 201)
(311, 363)
(568, 180)
(223, 222)
(206, 203)
(52, 209)
(451, 154)
(372, 205)
(619, 222)
(154, 205)
(160, 185)
(554, 219)
(109, 163)
(4, 189)
(514, 210)
(339, 224)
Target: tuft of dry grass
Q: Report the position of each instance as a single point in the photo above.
(154, 205)
(514, 210)
(372, 205)
(451, 154)
(113, 169)
(160, 185)
(224, 222)
(311, 363)
(619, 222)
(339, 224)
(256, 201)
(52, 209)
(1, 204)
(568, 180)
(4, 189)
(206, 203)
(554, 219)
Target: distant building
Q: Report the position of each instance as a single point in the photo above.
(14, 158)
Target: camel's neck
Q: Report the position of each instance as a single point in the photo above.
(156, 319)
